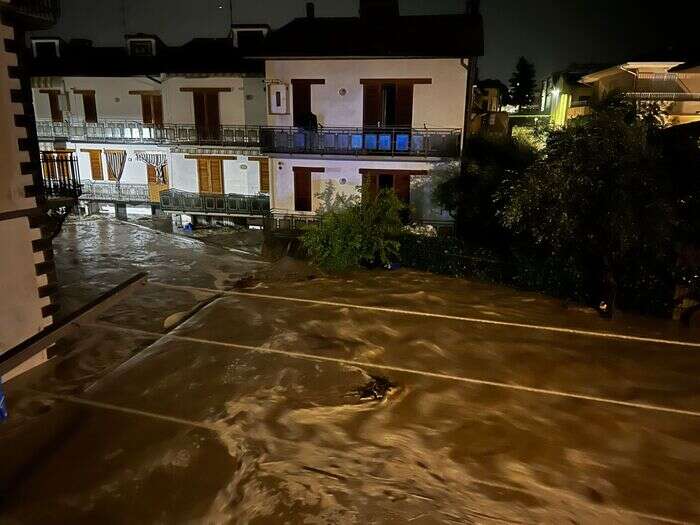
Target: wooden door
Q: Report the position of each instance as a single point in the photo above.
(301, 102)
(302, 189)
(155, 187)
(206, 114)
(372, 102)
(210, 174)
(404, 105)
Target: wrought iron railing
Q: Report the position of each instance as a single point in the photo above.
(131, 131)
(227, 204)
(60, 178)
(288, 222)
(331, 141)
(39, 13)
(362, 141)
(113, 192)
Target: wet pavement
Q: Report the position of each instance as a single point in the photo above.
(194, 402)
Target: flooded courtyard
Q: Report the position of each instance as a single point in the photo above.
(375, 397)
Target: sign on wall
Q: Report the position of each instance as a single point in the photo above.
(277, 99)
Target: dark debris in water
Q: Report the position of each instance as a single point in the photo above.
(246, 282)
(377, 388)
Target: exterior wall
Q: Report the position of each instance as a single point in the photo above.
(437, 105)
(241, 176)
(25, 264)
(244, 104)
(282, 194)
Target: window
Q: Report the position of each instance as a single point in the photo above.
(45, 48)
(206, 112)
(89, 104)
(277, 95)
(389, 102)
(302, 189)
(397, 180)
(95, 163)
(152, 108)
(142, 47)
(249, 37)
(54, 104)
(155, 187)
(301, 100)
(210, 174)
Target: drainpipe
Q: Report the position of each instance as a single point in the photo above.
(470, 68)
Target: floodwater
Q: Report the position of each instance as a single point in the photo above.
(195, 401)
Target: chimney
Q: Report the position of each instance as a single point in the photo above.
(375, 10)
(310, 10)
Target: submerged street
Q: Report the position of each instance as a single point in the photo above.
(198, 400)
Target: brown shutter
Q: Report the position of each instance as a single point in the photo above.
(404, 104)
(402, 187)
(264, 175)
(95, 164)
(146, 109)
(203, 174)
(157, 109)
(302, 189)
(301, 101)
(217, 176)
(371, 105)
(150, 174)
(56, 113)
(200, 113)
(90, 107)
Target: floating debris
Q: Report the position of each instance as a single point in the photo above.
(246, 282)
(375, 390)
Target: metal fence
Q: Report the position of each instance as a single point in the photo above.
(113, 192)
(60, 177)
(226, 204)
(127, 131)
(362, 141)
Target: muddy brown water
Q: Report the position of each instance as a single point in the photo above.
(160, 425)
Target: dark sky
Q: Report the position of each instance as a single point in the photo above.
(550, 33)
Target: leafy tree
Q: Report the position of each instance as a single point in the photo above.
(522, 83)
(471, 195)
(597, 196)
(357, 231)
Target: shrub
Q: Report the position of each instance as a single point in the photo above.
(358, 232)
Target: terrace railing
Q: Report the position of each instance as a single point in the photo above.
(362, 141)
(128, 131)
(213, 203)
(60, 178)
(113, 192)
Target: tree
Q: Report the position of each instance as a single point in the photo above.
(471, 195)
(598, 196)
(522, 83)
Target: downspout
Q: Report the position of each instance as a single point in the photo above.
(470, 68)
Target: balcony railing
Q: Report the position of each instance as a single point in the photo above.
(37, 14)
(212, 203)
(326, 141)
(664, 97)
(113, 192)
(362, 141)
(60, 178)
(127, 131)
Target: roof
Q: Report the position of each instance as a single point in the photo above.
(597, 75)
(426, 36)
(200, 55)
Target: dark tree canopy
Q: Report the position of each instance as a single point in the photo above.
(522, 83)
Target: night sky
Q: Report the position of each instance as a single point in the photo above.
(550, 33)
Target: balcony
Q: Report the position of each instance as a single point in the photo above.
(113, 192)
(214, 204)
(33, 14)
(135, 132)
(60, 179)
(362, 141)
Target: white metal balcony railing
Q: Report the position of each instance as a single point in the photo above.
(113, 192)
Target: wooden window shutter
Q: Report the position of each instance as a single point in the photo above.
(147, 109)
(157, 109)
(200, 111)
(371, 105)
(96, 164)
(56, 113)
(301, 101)
(404, 104)
(217, 176)
(402, 187)
(302, 189)
(204, 177)
(150, 174)
(90, 107)
(264, 175)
